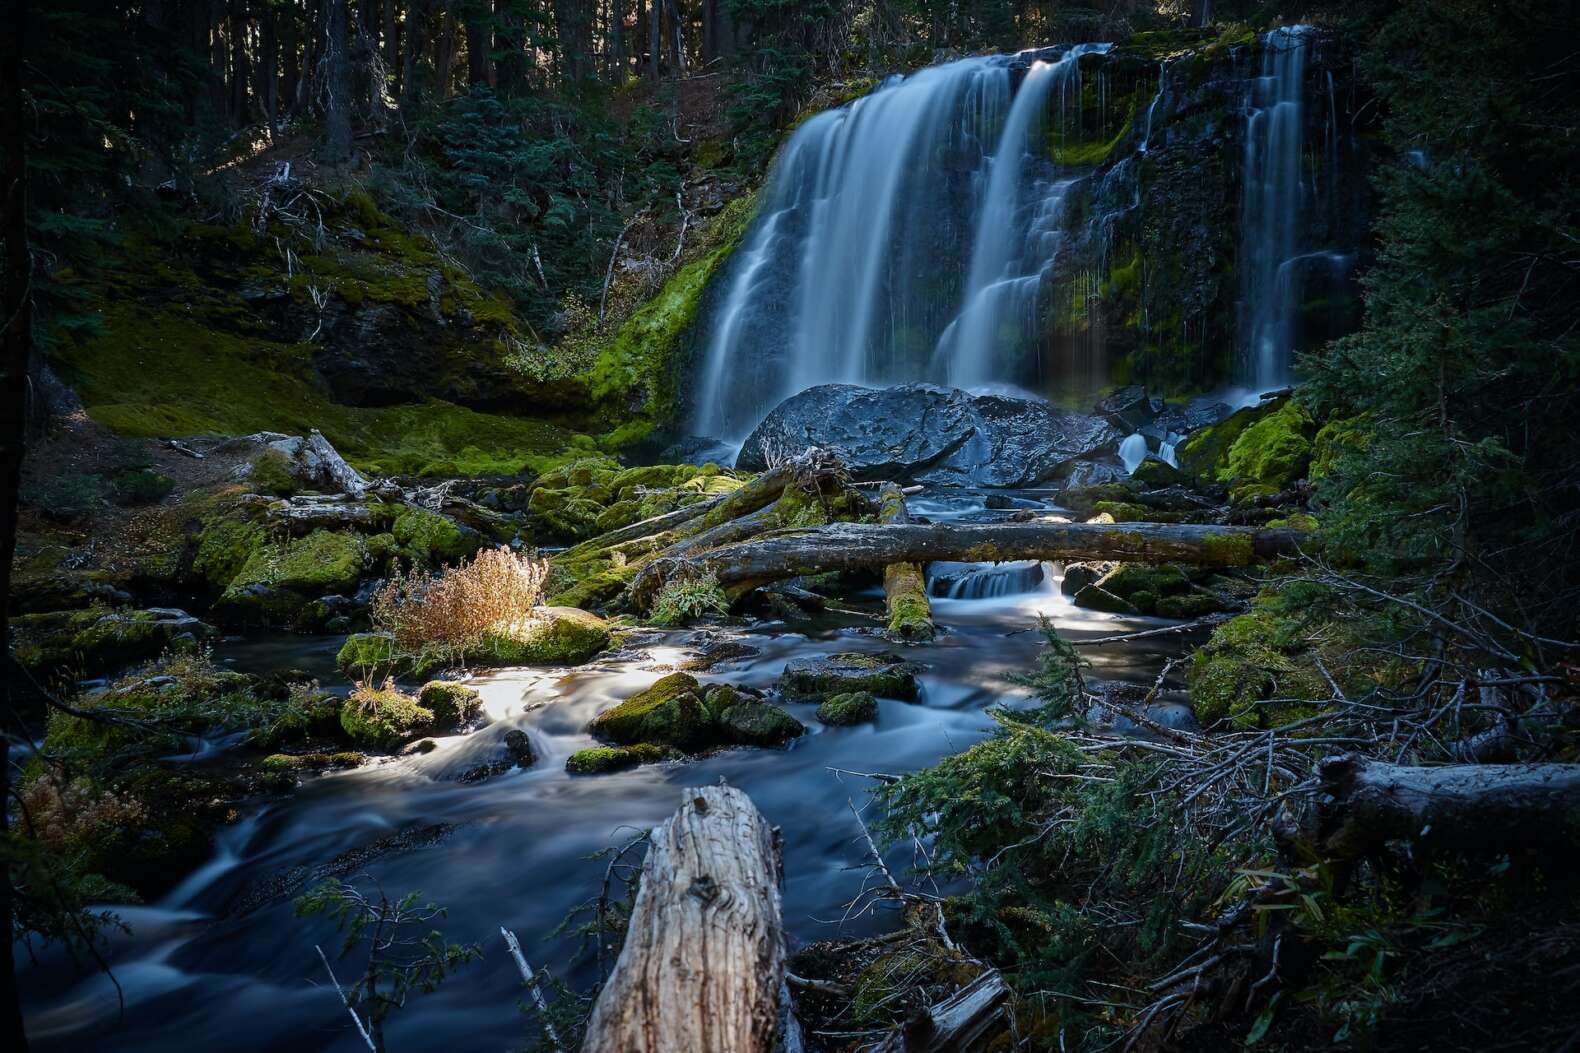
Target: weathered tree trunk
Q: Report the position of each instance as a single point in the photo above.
(904, 584)
(510, 39)
(336, 92)
(1461, 806)
(703, 958)
(850, 546)
(479, 42)
(16, 343)
(266, 70)
(654, 37)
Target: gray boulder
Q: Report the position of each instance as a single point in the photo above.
(923, 433)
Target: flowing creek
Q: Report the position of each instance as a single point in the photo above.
(222, 962)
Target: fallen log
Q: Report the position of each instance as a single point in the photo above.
(703, 962)
(850, 546)
(964, 1022)
(904, 584)
(1497, 807)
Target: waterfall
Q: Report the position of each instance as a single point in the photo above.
(1132, 451)
(853, 270)
(852, 267)
(1011, 252)
(1270, 207)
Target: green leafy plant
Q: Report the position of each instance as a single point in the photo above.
(685, 600)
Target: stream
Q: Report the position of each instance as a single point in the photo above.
(222, 962)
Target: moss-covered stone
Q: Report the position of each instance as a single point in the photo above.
(1204, 455)
(297, 763)
(384, 719)
(281, 576)
(452, 704)
(1273, 452)
(367, 655)
(555, 636)
(669, 713)
(1189, 605)
(98, 640)
(1097, 598)
(820, 676)
(752, 723)
(428, 537)
(1244, 663)
(600, 759)
(853, 707)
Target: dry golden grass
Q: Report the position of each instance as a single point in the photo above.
(453, 609)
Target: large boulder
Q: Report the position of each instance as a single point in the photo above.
(928, 434)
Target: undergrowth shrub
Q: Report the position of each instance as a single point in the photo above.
(686, 600)
(451, 610)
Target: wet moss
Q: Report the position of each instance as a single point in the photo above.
(1273, 452)
(384, 719)
(669, 713)
(297, 763)
(909, 610)
(1246, 662)
(853, 707)
(367, 655)
(752, 723)
(601, 759)
(451, 704)
(556, 636)
(429, 537)
(822, 676)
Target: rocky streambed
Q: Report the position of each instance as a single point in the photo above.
(223, 956)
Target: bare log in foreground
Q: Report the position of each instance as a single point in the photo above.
(1463, 806)
(703, 959)
(850, 546)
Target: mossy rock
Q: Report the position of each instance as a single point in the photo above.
(369, 655)
(452, 704)
(181, 812)
(1204, 455)
(1124, 512)
(1097, 598)
(269, 472)
(601, 759)
(819, 676)
(98, 640)
(384, 719)
(428, 537)
(1155, 472)
(1273, 452)
(670, 713)
(1189, 605)
(854, 707)
(753, 723)
(1084, 499)
(305, 718)
(557, 636)
(1245, 662)
(1141, 585)
(280, 576)
(225, 543)
(300, 763)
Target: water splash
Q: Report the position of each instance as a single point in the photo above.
(1133, 450)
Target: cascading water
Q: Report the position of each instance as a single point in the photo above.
(1270, 208)
(854, 271)
(1011, 252)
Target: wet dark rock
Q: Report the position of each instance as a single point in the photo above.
(698, 450)
(1130, 408)
(815, 677)
(1078, 576)
(519, 745)
(928, 434)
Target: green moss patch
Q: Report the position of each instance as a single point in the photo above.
(854, 707)
(384, 719)
(820, 676)
(601, 759)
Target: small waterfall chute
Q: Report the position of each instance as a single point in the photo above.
(1132, 451)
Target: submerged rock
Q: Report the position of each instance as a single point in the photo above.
(820, 676)
(928, 434)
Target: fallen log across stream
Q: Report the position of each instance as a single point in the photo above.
(796, 551)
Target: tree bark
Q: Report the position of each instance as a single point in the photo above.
(479, 42)
(336, 91)
(1495, 807)
(16, 342)
(654, 37)
(850, 546)
(510, 40)
(703, 960)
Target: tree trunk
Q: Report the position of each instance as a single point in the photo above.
(238, 27)
(1495, 807)
(16, 335)
(510, 40)
(290, 59)
(336, 93)
(850, 546)
(444, 55)
(617, 41)
(655, 38)
(479, 42)
(419, 28)
(703, 960)
(265, 71)
(718, 30)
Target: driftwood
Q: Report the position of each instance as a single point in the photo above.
(904, 584)
(961, 1023)
(851, 546)
(1497, 807)
(702, 967)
